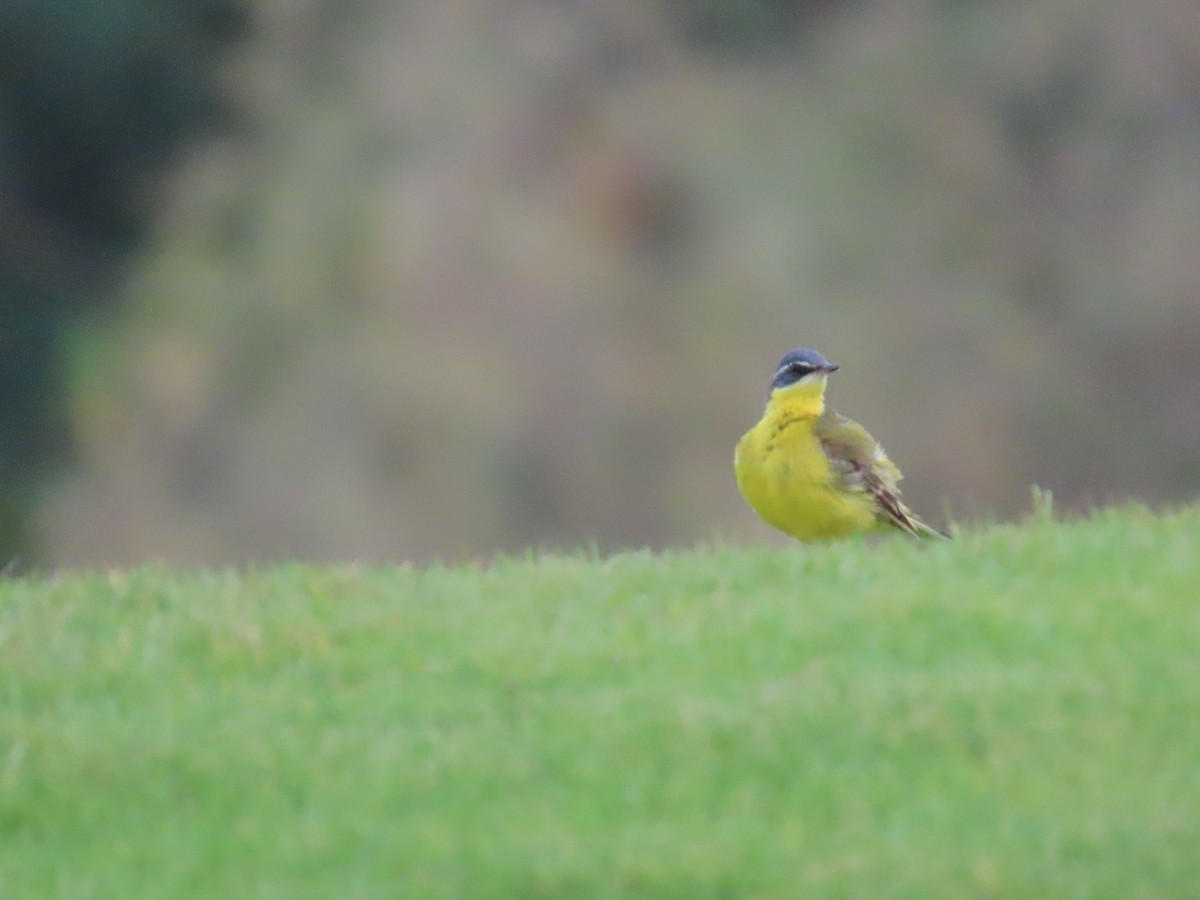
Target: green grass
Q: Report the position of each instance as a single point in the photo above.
(1013, 714)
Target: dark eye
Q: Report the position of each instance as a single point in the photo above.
(799, 369)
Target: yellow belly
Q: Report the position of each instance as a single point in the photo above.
(785, 477)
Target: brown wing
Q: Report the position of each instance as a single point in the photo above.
(861, 465)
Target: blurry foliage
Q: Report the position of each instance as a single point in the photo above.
(95, 100)
(746, 26)
(488, 274)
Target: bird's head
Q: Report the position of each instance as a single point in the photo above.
(802, 371)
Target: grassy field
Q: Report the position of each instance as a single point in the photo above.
(1014, 714)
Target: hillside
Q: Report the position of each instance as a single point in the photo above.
(1008, 714)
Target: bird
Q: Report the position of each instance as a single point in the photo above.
(813, 473)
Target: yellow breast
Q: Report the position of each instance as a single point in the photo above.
(785, 476)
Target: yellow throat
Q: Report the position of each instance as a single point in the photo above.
(785, 476)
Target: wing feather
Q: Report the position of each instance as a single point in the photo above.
(860, 464)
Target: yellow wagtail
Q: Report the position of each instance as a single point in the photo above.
(812, 473)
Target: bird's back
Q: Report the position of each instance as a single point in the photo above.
(860, 464)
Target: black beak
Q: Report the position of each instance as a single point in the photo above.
(830, 368)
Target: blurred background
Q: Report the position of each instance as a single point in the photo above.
(356, 279)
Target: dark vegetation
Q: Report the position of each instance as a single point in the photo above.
(97, 100)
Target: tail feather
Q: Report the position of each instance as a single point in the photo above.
(925, 530)
(899, 516)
